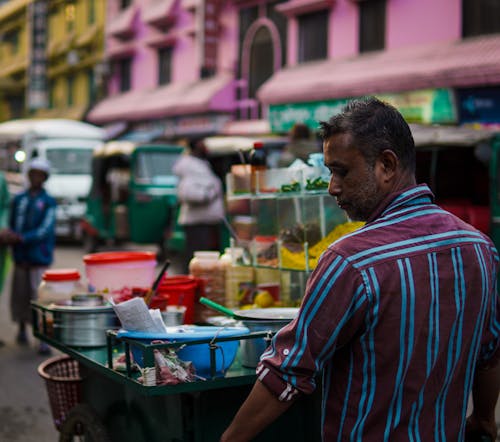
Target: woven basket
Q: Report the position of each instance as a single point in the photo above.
(63, 381)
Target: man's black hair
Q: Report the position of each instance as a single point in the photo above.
(373, 126)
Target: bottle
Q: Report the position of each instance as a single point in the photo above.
(258, 164)
(239, 279)
(59, 285)
(206, 267)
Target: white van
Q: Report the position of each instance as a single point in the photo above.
(68, 145)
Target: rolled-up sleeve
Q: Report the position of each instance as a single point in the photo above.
(332, 312)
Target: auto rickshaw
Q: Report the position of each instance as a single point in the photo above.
(133, 197)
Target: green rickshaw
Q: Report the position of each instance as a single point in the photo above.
(133, 197)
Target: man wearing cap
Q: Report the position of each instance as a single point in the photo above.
(32, 222)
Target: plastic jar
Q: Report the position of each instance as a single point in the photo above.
(239, 279)
(206, 266)
(59, 285)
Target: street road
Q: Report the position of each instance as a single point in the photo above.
(24, 410)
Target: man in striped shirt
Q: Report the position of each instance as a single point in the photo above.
(401, 316)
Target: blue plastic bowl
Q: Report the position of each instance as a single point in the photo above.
(198, 354)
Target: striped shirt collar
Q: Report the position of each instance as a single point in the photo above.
(420, 194)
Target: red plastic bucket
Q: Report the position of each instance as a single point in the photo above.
(178, 290)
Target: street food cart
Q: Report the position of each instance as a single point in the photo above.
(111, 404)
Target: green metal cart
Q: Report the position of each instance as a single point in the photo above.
(113, 405)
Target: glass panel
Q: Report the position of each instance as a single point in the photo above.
(70, 161)
(164, 65)
(156, 168)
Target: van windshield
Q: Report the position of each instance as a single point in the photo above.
(70, 161)
(156, 168)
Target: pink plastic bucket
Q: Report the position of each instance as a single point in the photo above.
(110, 272)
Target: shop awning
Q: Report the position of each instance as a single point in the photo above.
(214, 94)
(464, 63)
(115, 108)
(160, 12)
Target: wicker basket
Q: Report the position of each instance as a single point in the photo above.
(63, 381)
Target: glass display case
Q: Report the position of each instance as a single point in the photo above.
(284, 219)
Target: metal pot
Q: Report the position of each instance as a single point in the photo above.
(265, 319)
(83, 326)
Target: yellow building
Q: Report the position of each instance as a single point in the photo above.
(73, 55)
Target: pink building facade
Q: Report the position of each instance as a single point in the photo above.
(186, 67)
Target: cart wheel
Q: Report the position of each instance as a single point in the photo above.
(83, 424)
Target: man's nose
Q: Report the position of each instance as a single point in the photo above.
(333, 187)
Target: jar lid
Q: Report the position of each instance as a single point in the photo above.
(207, 254)
(61, 275)
(265, 238)
(113, 257)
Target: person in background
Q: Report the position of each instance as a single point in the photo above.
(201, 200)
(32, 224)
(401, 317)
(300, 146)
(5, 234)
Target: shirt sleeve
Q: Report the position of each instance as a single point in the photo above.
(332, 312)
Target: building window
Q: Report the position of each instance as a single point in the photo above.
(69, 16)
(371, 25)
(281, 23)
(91, 12)
(313, 36)
(12, 40)
(124, 4)
(164, 65)
(480, 17)
(261, 60)
(70, 86)
(52, 93)
(125, 74)
(91, 86)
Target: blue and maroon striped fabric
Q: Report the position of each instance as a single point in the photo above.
(397, 314)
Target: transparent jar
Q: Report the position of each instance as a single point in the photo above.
(59, 285)
(206, 266)
(239, 279)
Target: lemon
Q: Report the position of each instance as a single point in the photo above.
(263, 299)
(247, 306)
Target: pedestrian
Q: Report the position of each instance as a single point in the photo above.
(32, 222)
(201, 200)
(300, 146)
(401, 316)
(4, 232)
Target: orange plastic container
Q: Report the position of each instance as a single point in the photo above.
(179, 290)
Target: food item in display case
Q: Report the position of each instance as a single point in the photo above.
(295, 237)
(206, 266)
(297, 260)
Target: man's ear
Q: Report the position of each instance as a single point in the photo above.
(388, 163)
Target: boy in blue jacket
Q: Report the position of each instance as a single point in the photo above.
(32, 223)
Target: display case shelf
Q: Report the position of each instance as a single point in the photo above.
(282, 230)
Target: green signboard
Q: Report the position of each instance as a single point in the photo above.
(429, 106)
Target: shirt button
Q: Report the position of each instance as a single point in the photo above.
(286, 351)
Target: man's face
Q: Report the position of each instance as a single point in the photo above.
(354, 183)
(36, 178)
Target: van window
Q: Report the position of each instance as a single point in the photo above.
(70, 161)
(156, 168)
